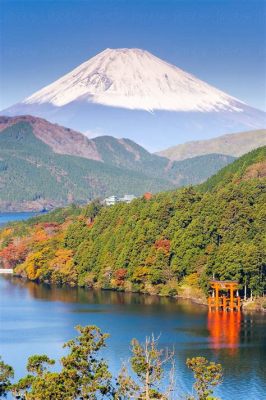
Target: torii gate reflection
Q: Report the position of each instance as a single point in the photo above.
(224, 317)
(224, 329)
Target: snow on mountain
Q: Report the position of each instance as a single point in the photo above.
(134, 79)
(131, 93)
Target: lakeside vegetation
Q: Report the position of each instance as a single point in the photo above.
(169, 245)
(85, 374)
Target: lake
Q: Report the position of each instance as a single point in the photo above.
(39, 319)
(15, 216)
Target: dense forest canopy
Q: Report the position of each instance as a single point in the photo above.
(176, 239)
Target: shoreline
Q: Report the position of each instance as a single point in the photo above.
(247, 306)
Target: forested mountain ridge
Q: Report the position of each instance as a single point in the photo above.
(234, 144)
(127, 154)
(252, 165)
(32, 174)
(43, 165)
(177, 239)
(61, 140)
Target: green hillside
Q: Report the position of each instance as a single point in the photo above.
(35, 173)
(128, 154)
(176, 240)
(237, 170)
(30, 170)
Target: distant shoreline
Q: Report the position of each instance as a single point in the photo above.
(27, 207)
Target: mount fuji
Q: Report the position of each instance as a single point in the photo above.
(130, 92)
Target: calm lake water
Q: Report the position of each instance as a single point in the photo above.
(39, 319)
(17, 216)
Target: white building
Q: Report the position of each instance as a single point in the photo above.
(127, 198)
(110, 201)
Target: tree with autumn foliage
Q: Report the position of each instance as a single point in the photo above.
(14, 253)
(62, 268)
(120, 276)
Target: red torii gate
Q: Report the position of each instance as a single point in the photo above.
(223, 302)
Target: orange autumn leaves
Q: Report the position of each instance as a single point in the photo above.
(39, 253)
(13, 254)
(63, 269)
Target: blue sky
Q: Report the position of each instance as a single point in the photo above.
(219, 41)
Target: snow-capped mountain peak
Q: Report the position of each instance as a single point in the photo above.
(134, 79)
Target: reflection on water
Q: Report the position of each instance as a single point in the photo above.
(85, 296)
(224, 328)
(39, 319)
